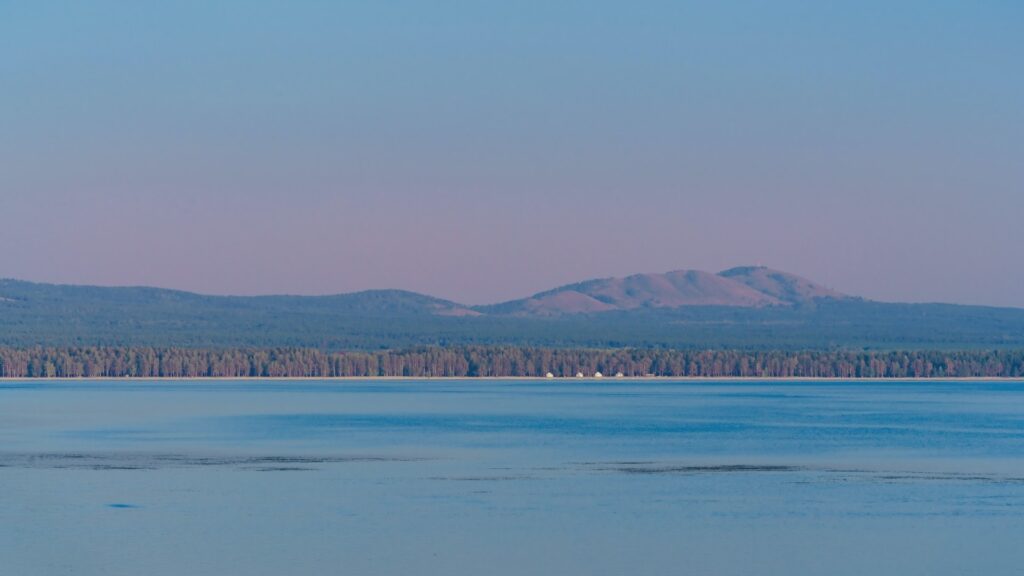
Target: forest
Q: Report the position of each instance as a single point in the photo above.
(82, 316)
(499, 361)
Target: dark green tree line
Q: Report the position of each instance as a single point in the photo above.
(141, 362)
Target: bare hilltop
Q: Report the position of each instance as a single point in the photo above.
(750, 307)
(744, 287)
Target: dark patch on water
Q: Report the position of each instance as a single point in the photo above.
(135, 461)
(822, 474)
(122, 506)
(948, 477)
(111, 467)
(653, 468)
(281, 469)
(482, 478)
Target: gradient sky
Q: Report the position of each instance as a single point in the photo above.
(481, 151)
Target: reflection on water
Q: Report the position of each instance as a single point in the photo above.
(476, 477)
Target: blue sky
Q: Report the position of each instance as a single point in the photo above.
(485, 150)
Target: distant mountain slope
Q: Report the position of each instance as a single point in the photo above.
(368, 302)
(745, 308)
(48, 314)
(739, 287)
(782, 286)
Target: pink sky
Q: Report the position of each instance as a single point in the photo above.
(485, 154)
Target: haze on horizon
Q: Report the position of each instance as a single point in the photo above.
(485, 151)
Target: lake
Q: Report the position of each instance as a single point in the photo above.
(511, 477)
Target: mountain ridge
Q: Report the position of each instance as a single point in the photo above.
(744, 308)
(746, 286)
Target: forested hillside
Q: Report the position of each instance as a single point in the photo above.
(50, 315)
(500, 361)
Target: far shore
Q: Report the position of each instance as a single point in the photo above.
(502, 378)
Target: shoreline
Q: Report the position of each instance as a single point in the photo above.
(624, 379)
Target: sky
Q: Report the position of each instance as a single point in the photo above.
(483, 151)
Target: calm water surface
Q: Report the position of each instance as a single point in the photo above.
(486, 477)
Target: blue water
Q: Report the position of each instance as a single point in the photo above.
(495, 477)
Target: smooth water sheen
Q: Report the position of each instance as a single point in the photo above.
(501, 477)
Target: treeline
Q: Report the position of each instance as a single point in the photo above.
(142, 362)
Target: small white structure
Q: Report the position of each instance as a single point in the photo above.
(579, 374)
(549, 375)
(619, 375)
(598, 375)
